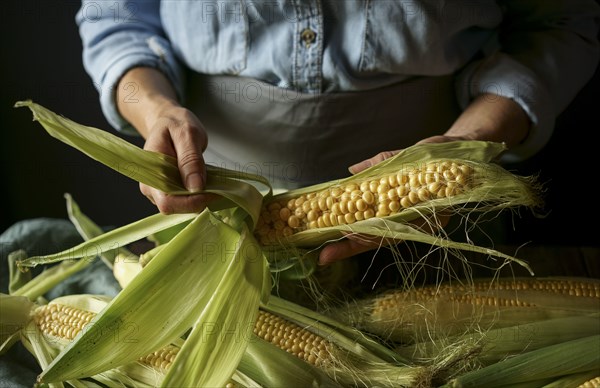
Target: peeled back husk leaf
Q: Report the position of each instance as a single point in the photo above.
(151, 168)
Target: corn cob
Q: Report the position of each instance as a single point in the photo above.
(62, 322)
(356, 201)
(293, 339)
(453, 309)
(593, 383)
(65, 322)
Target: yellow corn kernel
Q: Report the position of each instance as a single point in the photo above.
(293, 339)
(65, 322)
(381, 197)
(593, 383)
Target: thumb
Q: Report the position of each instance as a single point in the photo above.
(380, 157)
(193, 170)
(189, 142)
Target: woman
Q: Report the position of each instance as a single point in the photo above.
(303, 91)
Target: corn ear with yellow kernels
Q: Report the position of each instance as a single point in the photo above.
(456, 308)
(455, 178)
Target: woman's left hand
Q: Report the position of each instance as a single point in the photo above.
(489, 117)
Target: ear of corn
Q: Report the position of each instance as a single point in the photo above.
(338, 351)
(125, 268)
(553, 361)
(345, 354)
(591, 383)
(437, 177)
(485, 347)
(46, 330)
(419, 182)
(275, 367)
(177, 267)
(45, 346)
(456, 178)
(450, 309)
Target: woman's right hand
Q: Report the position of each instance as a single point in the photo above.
(178, 132)
(169, 129)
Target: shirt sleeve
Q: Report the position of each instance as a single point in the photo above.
(120, 35)
(547, 51)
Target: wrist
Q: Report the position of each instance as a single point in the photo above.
(143, 95)
(492, 118)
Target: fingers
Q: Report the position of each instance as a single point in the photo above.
(380, 157)
(171, 204)
(354, 244)
(440, 139)
(344, 249)
(189, 142)
(179, 133)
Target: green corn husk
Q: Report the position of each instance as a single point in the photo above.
(575, 380)
(21, 283)
(356, 359)
(496, 344)
(154, 169)
(177, 267)
(88, 229)
(260, 366)
(577, 356)
(439, 311)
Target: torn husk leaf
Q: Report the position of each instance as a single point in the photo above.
(49, 278)
(88, 229)
(151, 168)
(112, 239)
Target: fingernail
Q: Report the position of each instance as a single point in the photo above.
(193, 182)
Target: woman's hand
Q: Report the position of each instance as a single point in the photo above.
(169, 129)
(489, 117)
(178, 132)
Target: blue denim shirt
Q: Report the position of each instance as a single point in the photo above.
(537, 52)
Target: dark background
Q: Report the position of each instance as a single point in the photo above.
(42, 61)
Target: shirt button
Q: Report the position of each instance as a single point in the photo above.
(308, 36)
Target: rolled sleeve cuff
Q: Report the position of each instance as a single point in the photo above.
(115, 72)
(504, 76)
